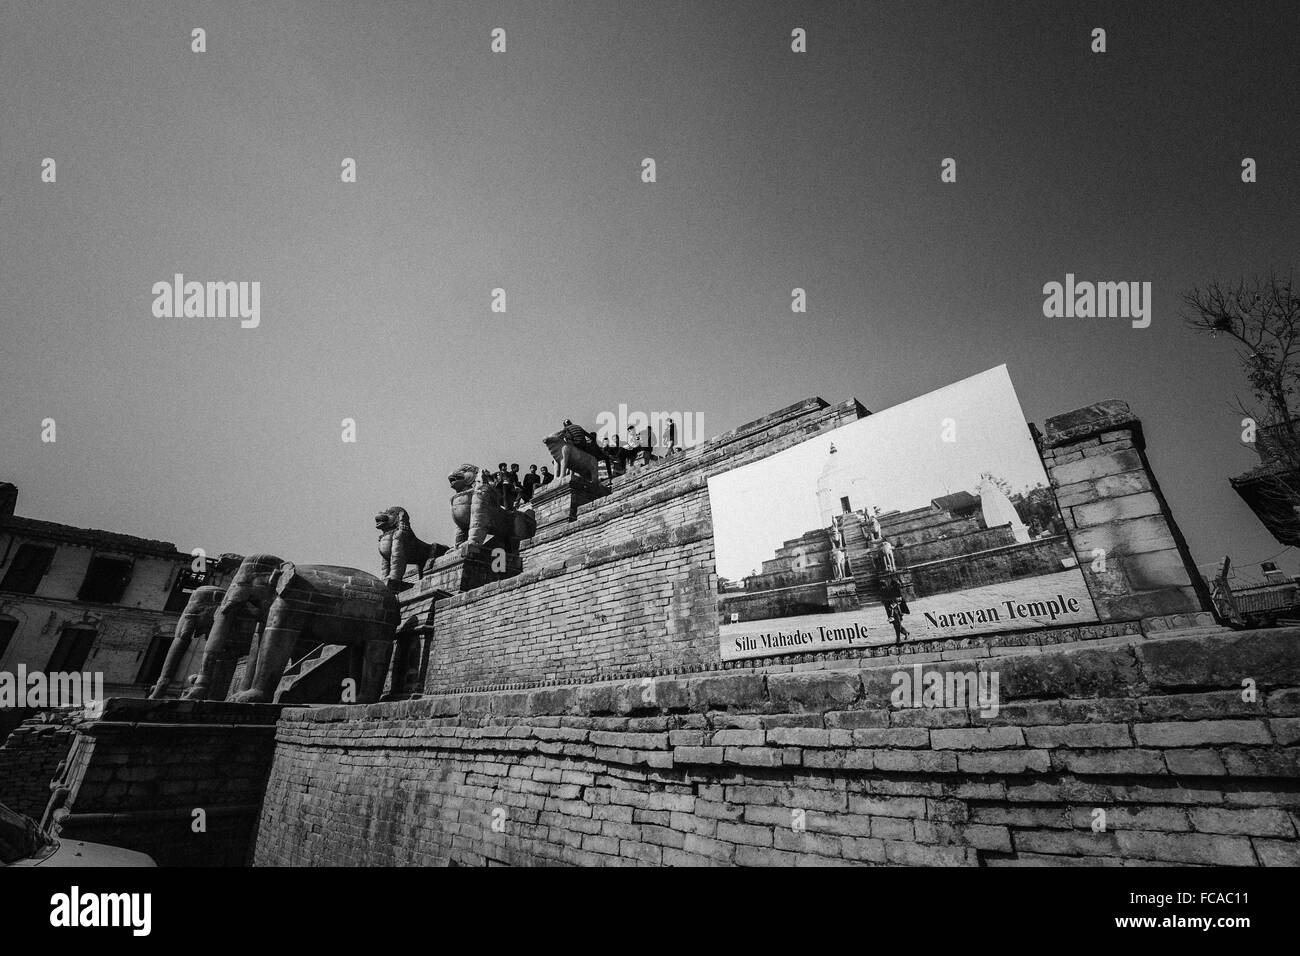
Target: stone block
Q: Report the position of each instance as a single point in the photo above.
(734, 690)
(813, 692)
(1195, 763)
(1203, 849)
(1079, 736)
(1259, 821)
(1095, 467)
(1103, 488)
(1196, 733)
(1076, 426)
(1112, 762)
(1220, 660)
(1110, 510)
(977, 738)
(1125, 537)
(1109, 671)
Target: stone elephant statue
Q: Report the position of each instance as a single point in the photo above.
(480, 516)
(195, 622)
(314, 603)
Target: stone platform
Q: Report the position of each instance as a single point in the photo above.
(139, 773)
(815, 764)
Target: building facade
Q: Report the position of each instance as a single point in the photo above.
(83, 600)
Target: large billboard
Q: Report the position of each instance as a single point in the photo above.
(932, 519)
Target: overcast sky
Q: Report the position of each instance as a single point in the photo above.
(522, 171)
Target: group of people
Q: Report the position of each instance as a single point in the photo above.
(513, 488)
(638, 445)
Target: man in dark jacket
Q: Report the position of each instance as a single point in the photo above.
(530, 483)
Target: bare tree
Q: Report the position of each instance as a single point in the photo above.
(1260, 316)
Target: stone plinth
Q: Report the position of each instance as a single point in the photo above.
(1133, 556)
(843, 595)
(463, 568)
(1153, 729)
(558, 502)
(139, 770)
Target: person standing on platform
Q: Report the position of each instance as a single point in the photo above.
(607, 450)
(894, 610)
(530, 483)
(501, 482)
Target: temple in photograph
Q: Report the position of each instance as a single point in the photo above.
(958, 541)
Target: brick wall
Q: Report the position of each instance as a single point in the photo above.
(137, 773)
(29, 760)
(1114, 509)
(629, 584)
(810, 764)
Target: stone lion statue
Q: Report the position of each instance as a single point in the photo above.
(571, 458)
(480, 516)
(398, 547)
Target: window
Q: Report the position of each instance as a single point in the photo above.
(186, 583)
(72, 650)
(27, 568)
(7, 627)
(844, 504)
(152, 665)
(106, 580)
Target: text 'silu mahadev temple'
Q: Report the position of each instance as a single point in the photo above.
(823, 636)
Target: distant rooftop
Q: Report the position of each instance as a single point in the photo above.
(958, 501)
(50, 531)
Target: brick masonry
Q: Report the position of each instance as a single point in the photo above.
(818, 767)
(137, 772)
(29, 760)
(1097, 461)
(629, 584)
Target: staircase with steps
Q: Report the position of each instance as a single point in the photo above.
(316, 678)
(862, 562)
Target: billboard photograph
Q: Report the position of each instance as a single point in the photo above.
(932, 519)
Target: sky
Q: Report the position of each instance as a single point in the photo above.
(522, 171)
(905, 457)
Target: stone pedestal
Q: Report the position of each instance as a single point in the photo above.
(902, 581)
(843, 595)
(558, 502)
(413, 645)
(1124, 536)
(465, 567)
(123, 784)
